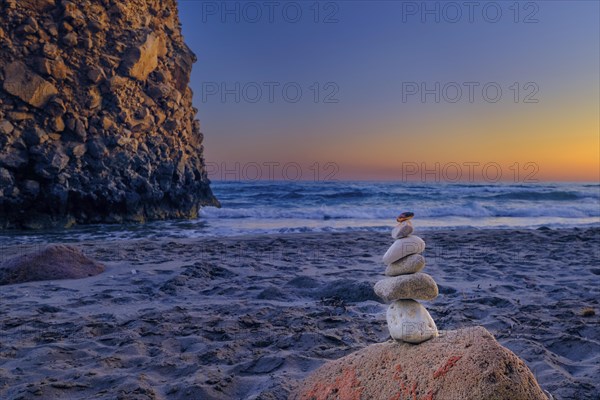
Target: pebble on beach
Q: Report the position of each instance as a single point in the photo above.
(53, 262)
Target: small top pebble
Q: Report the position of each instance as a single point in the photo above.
(405, 216)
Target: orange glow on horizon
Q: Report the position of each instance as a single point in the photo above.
(563, 145)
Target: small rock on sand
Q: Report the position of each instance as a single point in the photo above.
(54, 262)
(401, 230)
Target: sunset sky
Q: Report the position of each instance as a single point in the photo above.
(371, 61)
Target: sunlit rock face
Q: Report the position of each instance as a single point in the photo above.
(96, 116)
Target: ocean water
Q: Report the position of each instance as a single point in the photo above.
(284, 207)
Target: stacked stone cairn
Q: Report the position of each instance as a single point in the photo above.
(407, 319)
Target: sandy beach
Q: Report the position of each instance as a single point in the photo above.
(220, 182)
(247, 317)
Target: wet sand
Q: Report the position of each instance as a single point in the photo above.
(246, 317)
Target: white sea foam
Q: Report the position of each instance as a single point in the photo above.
(286, 207)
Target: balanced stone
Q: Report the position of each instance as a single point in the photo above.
(417, 286)
(402, 230)
(402, 248)
(407, 265)
(410, 322)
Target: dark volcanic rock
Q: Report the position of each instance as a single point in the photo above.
(52, 263)
(96, 117)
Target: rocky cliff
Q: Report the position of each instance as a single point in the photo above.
(96, 116)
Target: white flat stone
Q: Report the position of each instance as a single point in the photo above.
(402, 248)
(407, 265)
(410, 322)
(401, 230)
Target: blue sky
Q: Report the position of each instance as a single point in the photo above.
(363, 54)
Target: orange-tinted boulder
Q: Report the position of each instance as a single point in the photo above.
(467, 364)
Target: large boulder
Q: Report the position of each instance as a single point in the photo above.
(467, 364)
(51, 263)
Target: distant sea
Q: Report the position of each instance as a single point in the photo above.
(339, 206)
